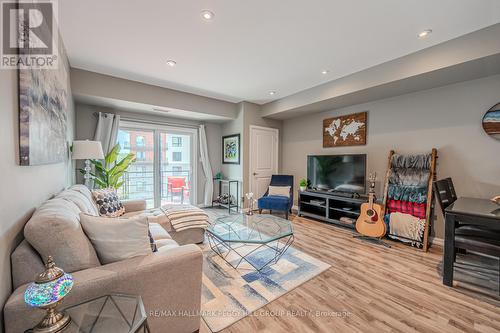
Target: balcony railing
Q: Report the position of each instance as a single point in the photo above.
(175, 186)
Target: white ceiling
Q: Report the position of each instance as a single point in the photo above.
(253, 47)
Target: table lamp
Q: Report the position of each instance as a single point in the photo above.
(48, 290)
(87, 150)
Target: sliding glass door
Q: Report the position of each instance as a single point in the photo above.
(164, 172)
(175, 167)
(139, 179)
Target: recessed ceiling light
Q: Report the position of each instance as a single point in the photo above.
(207, 15)
(425, 33)
(324, 72)
(272, 93)
(171, 63)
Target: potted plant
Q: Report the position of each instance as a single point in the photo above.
(109, 173)
(303, 184)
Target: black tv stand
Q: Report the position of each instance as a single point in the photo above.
(340, 209)
(354, 195)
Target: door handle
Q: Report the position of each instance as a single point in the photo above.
(255, 174)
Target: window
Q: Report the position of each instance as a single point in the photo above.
(157, 163)
(176, 141)
(139, 141)
(177, 156)
(176, 170)
(140, 155)
(140, 185)
(141, 170)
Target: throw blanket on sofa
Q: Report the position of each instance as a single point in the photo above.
(183, 217)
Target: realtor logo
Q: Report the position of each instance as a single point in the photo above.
(29, 34)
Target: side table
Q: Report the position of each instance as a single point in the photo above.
(108, 314)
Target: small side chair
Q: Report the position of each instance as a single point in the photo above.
(278, 202)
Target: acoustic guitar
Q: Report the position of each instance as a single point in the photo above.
(371, 221)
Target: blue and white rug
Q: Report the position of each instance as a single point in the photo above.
(229, 294)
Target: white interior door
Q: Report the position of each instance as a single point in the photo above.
(263, 158)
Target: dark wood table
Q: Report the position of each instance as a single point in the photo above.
(474, 211)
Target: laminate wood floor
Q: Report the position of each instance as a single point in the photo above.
(370, 288)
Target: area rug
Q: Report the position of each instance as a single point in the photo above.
(229, 294)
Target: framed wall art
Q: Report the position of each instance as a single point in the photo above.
(349, 130)
(231, 149)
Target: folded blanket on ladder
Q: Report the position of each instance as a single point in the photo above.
(183, 217)
(416, 194)
(407, 226)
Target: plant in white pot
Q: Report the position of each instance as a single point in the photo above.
(303, 184)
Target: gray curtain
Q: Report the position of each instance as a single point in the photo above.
(207, 168)
(107, 130)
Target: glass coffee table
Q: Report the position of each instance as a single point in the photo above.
(106, 314)
(257, 240)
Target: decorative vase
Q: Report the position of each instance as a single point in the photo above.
(303, 188)
(250, 203)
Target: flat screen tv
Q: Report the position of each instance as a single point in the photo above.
(337, 173)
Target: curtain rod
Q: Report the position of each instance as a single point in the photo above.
(154, 122)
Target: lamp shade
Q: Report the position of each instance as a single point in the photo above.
(45, 294)
(86, 150)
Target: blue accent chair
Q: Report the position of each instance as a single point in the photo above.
(275, 202)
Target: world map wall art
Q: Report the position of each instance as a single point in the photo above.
(347, 130)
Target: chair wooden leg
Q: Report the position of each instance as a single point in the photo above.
(286, 215)
(270, 211)
(260, 211)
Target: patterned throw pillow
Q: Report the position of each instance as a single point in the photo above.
(108, 203)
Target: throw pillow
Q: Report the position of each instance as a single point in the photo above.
(108, 203)
(118, 238)
(283, 191)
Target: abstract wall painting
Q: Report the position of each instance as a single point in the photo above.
(231, 149)
(44, 97)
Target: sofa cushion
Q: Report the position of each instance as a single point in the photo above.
(131, 214)
(154, 215)
(108, 203)
(117, 239)
(158, 232)
(86, 193)
(84, 203)
(26, 264)
(55, 230)
(166, 244)
(274, 202)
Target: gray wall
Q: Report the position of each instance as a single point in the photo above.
(234, 171)
(447, 118)
(23, 187)
(253, 116)
(86, 124)
(248, 114)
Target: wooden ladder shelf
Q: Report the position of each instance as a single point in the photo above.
(429, 213)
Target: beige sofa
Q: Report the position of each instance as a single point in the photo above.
(169, 280)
